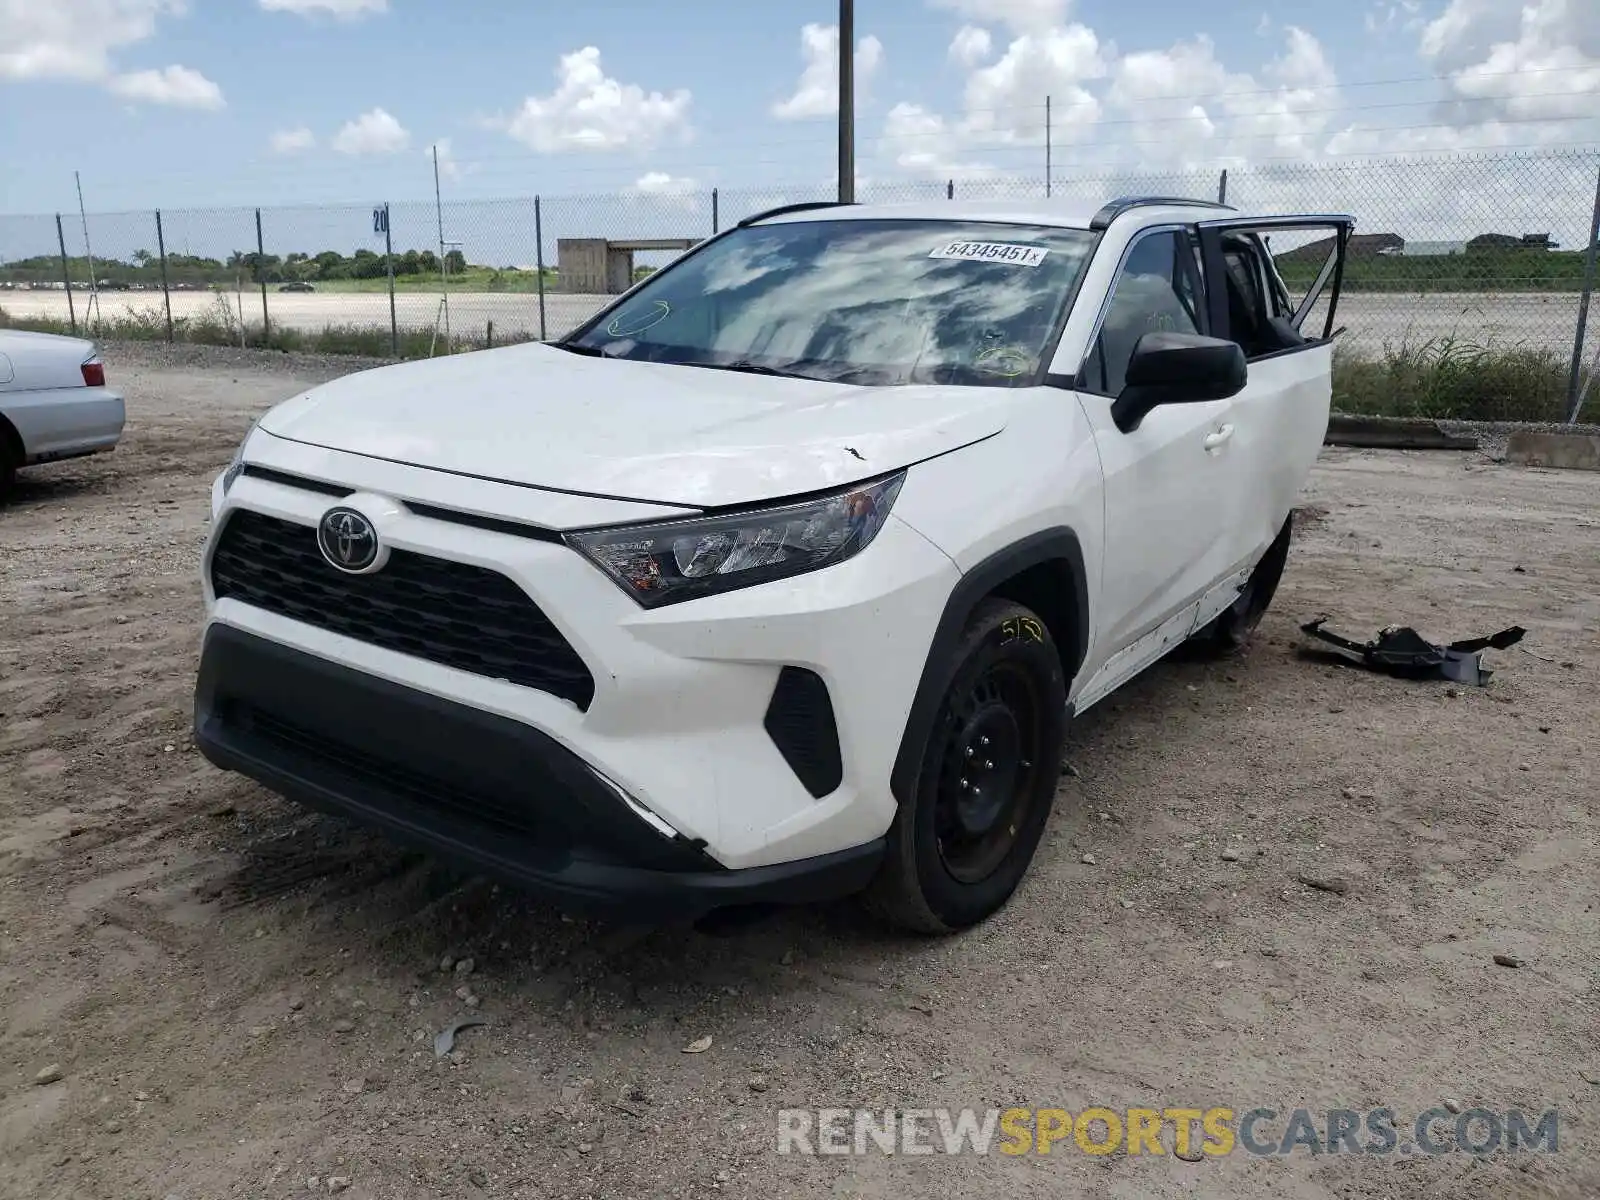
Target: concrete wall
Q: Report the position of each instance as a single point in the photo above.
(581, 264)
(593, 266)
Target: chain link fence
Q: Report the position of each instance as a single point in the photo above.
(1465, 293)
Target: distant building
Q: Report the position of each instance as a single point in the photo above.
(1509, 241)
(1362, 245)
(1433, 249)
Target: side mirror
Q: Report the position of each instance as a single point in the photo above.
(1177, 368)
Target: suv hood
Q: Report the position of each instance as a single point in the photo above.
(678, 435)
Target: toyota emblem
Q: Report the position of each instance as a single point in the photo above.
(348, 541)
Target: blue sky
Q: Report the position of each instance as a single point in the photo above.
(186, 103)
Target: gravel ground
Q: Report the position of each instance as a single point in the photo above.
(240, 997)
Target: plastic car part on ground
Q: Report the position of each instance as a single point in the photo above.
(1401, 650)
(446, 1039)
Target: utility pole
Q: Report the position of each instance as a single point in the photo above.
(847, 102)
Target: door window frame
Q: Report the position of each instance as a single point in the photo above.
(1331, 275)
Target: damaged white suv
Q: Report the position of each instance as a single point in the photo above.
(780, 578)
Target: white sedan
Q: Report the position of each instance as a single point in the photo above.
(54, 402)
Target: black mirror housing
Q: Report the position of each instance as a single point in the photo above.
(1177, 368)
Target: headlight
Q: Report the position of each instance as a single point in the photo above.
(237, 463)
(680, 560)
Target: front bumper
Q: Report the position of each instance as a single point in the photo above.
(492, 793)
(678, 716)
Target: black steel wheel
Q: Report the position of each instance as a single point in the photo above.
(988, 777)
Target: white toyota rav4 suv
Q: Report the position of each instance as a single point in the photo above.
(782, 577)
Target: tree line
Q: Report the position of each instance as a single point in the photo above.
(144, 268)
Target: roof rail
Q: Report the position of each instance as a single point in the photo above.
(803, 206)
(1115, 208)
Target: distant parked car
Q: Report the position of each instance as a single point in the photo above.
(299, 285)
(54, 402)
(112, 285)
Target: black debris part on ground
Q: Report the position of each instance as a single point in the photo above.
(1401, 650)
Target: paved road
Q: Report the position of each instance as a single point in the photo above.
(1372, 318)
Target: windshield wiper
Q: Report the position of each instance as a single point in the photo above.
(580, 348)
(744, 366)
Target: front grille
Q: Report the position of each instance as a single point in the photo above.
(451, 613)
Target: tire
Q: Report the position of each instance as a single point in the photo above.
(1230, 630)
(954, 857)
(8, 469)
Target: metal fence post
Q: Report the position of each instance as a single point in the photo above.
(388, 264)
(1575, 376)
(1222, 187)
(66, 273)
(538, 258)
(949, 189)
(261, 274)
(166, 293)
(1047, 147)
(715, 215)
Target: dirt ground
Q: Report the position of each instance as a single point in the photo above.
(241, 997)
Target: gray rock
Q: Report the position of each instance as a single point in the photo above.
(1229, 855)
(1088, 860)
(50, 1074)
(465, 966)
(1508, 960)
(343, 1025)
(1453, 1105)
(338, 1183)
(1334, 885)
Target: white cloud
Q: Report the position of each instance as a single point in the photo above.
(1022, 16)
(922, 143)
(660, 183)
(176, 86)
(971, 46)
(374, 132)
(1511, 75)
(1534, 62)
(591, 111)
(73, 39)
(1184, 104)
(334, 8)
(817, 94)
(293, 141)
(1005, 100)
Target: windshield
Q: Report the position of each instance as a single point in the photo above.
(863, 302)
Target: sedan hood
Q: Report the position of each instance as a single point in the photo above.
(680, 435)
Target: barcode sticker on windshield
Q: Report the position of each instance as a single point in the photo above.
(1001, 252)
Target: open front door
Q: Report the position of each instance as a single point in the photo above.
(1272, 286)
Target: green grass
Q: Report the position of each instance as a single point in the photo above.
(474, 279)
(1448, 377)
(1481, 271)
